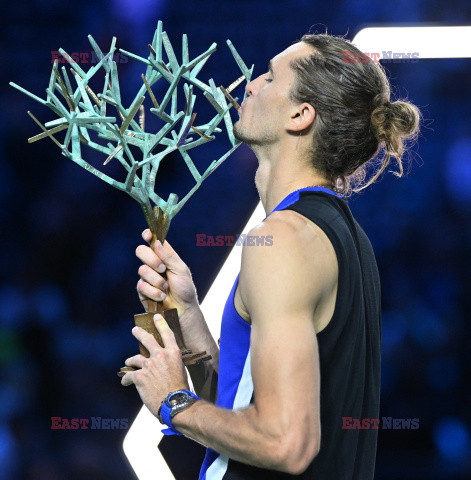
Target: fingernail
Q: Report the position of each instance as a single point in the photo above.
(134, 329)
(165, 286)
(162, 296)
(161, 268)
(158, 317)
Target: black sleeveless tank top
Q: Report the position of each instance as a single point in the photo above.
(349, 353)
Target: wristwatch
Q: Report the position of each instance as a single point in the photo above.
(173, 404)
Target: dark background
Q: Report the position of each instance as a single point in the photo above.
(68, 270)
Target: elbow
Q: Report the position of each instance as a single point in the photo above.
(298, 464)
(296, 454)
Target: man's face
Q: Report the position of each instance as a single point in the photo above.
(266, 111)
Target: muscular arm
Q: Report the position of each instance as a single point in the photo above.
(281, 287)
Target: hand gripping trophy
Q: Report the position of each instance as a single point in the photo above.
(80, 111)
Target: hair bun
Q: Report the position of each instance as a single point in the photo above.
(393, 122)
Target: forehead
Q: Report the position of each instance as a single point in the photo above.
(296, 50)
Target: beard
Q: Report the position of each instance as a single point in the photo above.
(239, 134)
(251, 138)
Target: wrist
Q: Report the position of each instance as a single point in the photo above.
(184, 418)
(174, 404)
(190, 311)
(191, 318)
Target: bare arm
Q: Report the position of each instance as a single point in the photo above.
(281, 286)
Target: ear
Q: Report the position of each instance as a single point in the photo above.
(301, 118)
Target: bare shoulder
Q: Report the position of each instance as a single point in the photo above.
(295, 236)
(299, 262)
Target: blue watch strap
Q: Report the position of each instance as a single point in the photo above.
(166, 409)
(167, 419)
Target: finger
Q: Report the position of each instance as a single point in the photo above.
(147, 235)
(149, 257)
(169, 257)
(146, 339)
(127, 379)
(147, 291)
(152, 277)
(168, 337)
(169, 247)
(137, 361)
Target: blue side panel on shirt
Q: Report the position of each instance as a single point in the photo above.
(211, 455)
(234, 348)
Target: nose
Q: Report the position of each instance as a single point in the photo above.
(249, 88)
(253, 86)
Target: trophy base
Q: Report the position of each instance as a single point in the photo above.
(146, 321)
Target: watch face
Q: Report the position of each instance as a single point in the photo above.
(177, 399)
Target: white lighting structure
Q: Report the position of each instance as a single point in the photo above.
(143, 437)
(428, 42)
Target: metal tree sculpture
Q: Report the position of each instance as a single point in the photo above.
(80, 110)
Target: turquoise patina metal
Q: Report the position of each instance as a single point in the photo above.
(80, 110)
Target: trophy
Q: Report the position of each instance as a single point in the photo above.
(80, 111)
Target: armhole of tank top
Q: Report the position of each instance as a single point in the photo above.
(340, 283)
(238, 316)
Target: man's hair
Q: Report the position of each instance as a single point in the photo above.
(355, 119)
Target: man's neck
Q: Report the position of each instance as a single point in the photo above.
(279, 175)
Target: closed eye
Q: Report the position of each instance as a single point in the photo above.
(267, 79)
